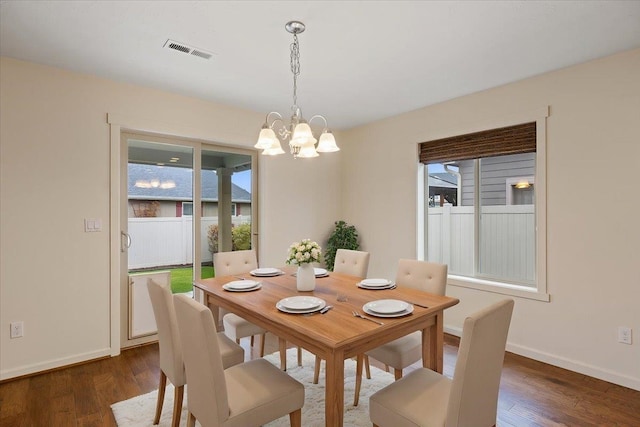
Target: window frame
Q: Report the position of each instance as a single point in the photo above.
(539, 291)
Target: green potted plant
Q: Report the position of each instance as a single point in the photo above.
(344, 236)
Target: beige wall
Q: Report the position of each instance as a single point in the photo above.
(593, 154)
(55, 171)
(55, 153)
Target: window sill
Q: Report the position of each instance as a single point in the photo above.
(498, 288)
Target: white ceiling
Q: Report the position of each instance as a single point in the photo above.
(360, 60)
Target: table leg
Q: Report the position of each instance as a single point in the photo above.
(439, 341)
(334, 391)
(215, 310)
(282, 343)
(433, 344)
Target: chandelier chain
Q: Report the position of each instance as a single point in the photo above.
(295, 69)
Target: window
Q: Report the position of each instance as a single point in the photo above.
(187, 208)
(519, 191)
(482, 216)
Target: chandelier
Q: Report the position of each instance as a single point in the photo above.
(302, 143)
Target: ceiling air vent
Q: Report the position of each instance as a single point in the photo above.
(189, 50)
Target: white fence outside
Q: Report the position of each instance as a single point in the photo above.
(167, 241)
(507, 241)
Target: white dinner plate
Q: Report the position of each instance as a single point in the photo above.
(266, 272)
(375, 283)
(320, 272)
(387, 306)
(377, 288)
(409, 310)
(241, 286)
(301, 303)
(284, 304)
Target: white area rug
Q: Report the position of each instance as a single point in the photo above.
(139, 411)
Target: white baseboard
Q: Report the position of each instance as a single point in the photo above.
(52, 364)
(576, 366)
(563, 362)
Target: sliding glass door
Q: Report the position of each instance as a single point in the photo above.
(181, 201)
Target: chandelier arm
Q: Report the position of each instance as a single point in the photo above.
(266, 120)
(282, 129)
(326, 125)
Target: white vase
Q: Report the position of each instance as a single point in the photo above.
(306, 278)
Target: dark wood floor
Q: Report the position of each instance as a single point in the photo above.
(531, 393)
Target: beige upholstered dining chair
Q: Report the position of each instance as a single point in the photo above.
(228, 264)
(171, 363)
(250, 394)
(426, 398)
(427, 276)
(353, 263)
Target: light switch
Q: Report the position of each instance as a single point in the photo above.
(92, 224)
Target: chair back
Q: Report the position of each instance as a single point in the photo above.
(207, 399)
(235, 262)
(353, 263)
(424, 275)
(474, 391)
(171, 361)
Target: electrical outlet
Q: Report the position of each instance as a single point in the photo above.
(624, 335)
(17, 329)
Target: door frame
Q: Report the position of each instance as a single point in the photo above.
(119, 124)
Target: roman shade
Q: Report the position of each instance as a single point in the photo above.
(494, 142)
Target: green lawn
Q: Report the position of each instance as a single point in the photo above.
(182, 278)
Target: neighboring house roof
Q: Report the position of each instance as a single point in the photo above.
(183, 190)
(443, 179)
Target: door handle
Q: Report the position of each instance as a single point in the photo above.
(127, 245)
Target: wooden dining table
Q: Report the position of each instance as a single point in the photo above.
(338, 334)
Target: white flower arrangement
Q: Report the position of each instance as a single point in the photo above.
(304, 252)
